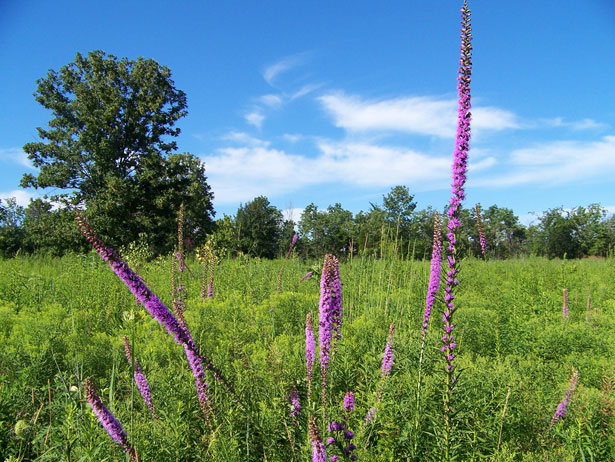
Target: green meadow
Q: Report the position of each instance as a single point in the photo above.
(62, 320)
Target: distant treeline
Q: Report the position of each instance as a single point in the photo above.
(391, 228)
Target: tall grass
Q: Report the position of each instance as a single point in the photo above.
(63, 319)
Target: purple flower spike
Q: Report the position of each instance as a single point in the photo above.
(389, 352)
(434, 275)
(310, 346)
(330, 314)
(319, 451)
(139, 377)
(307, 275)
(459, 169)
(563, 405)
(108, 420)
(295, 405)
(349, 402)
(176, 328)
(371, 414)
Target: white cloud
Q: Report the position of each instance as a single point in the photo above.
(16, 156)
(241, 173)
(558, 162)
(271, 100)
(483, 164)
(585, 124)
(292, 137)
(21, 196)
(244, 138)
(423, 115)
(255, 118)
(305, 90)
(272, 71)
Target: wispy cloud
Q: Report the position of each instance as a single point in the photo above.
(271, 72)
(424, 115)
(584, 124)
(15, 156)
(244, 138)
(305, 90)
(556, 163)
(255, 118)
(271, 100)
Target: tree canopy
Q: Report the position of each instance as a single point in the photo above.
(109, 146)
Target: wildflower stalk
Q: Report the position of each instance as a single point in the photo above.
(108, 420)
(330, 316)
(460, 158)
(210, 273)
(563, 405)
(290, 249)
(565, 305)
(319, 451)
(387, 359)
(139, 377)
(307, 276)
(432, 290)
(385, 371)
(177, 289)
(152, 303)
(310, 346)
(481, 230)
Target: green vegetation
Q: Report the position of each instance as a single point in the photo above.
(62, 319)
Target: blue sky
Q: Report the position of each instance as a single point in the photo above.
(330, 102)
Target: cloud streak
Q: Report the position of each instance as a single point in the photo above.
(556, 163)
(15, 156)
(423, 115)
(273, 71)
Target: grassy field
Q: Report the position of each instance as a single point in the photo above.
(62, 320)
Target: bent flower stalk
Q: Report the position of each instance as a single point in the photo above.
(108, 420)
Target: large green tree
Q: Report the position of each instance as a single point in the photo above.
(327, 231)
(109, 147)
(259, 228)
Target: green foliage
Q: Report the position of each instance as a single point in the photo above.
(11, 231)
(259, 228)
(329, 231)
(62, 319)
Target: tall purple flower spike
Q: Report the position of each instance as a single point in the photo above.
(330, 314)
(434, 274)
(139, 377)
(460, 159)
(197, 361)
(108, 420)
(563, 405)
(389, 352)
